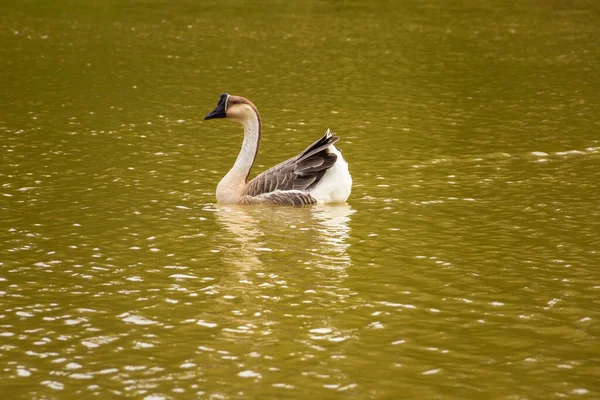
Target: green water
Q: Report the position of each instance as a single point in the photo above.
(465, 264)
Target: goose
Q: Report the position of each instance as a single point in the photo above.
(318, 175)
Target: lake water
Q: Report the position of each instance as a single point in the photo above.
(465, 264)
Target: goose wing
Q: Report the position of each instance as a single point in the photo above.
(282, 197)
(298, 173)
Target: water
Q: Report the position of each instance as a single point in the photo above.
(463, 266)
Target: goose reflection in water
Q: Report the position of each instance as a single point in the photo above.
(316, 236)
(281, 265)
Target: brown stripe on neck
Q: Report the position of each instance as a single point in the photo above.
(258, 139)
(245, 100)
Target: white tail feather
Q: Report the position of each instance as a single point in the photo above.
(336, 184)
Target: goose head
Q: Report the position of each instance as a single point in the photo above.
(235, 108)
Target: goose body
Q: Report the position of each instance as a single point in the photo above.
(318, 175)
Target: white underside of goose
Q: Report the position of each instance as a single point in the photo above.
(336, 184)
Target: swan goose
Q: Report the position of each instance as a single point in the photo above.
(318, 175)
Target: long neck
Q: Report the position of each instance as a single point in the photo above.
(245, 160)
(233, 185)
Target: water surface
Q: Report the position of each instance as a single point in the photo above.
(463, 266)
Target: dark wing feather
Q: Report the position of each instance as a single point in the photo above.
(289, 198)
(297, 173)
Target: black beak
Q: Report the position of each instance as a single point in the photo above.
(220, 109)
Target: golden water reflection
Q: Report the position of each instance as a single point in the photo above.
(247, 233)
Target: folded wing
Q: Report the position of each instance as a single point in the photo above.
(299, 173)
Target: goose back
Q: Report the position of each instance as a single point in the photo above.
(299, 173)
